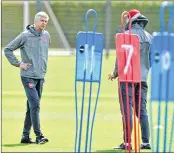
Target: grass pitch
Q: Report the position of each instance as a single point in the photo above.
(58, 109)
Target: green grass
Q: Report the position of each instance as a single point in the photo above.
(58, 109)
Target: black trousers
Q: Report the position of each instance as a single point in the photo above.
(144, 122)
(33, 89)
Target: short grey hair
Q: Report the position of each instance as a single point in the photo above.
(39, 15)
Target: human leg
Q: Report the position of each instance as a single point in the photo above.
(144, 122)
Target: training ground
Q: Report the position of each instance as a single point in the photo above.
(58, 109)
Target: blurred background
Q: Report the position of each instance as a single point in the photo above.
(67, 19)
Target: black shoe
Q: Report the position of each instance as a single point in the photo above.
(123, 146)
(41, 139)
(26, 139)
(143, 146)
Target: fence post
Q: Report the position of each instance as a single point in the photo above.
(25, 14)
(107, 27)
(38, 6)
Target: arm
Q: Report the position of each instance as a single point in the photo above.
(114, 74)
(12, 46)
(49, 39)
(150, 46)
(150, 56)
(150, 50)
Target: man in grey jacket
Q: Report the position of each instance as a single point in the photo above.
(33, 44)
(139, 22)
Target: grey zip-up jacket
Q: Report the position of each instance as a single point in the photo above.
(138, 25)
(33, 48)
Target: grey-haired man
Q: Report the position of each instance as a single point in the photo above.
(33, 44)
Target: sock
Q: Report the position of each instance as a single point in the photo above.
(127, 144)
(145, 144)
